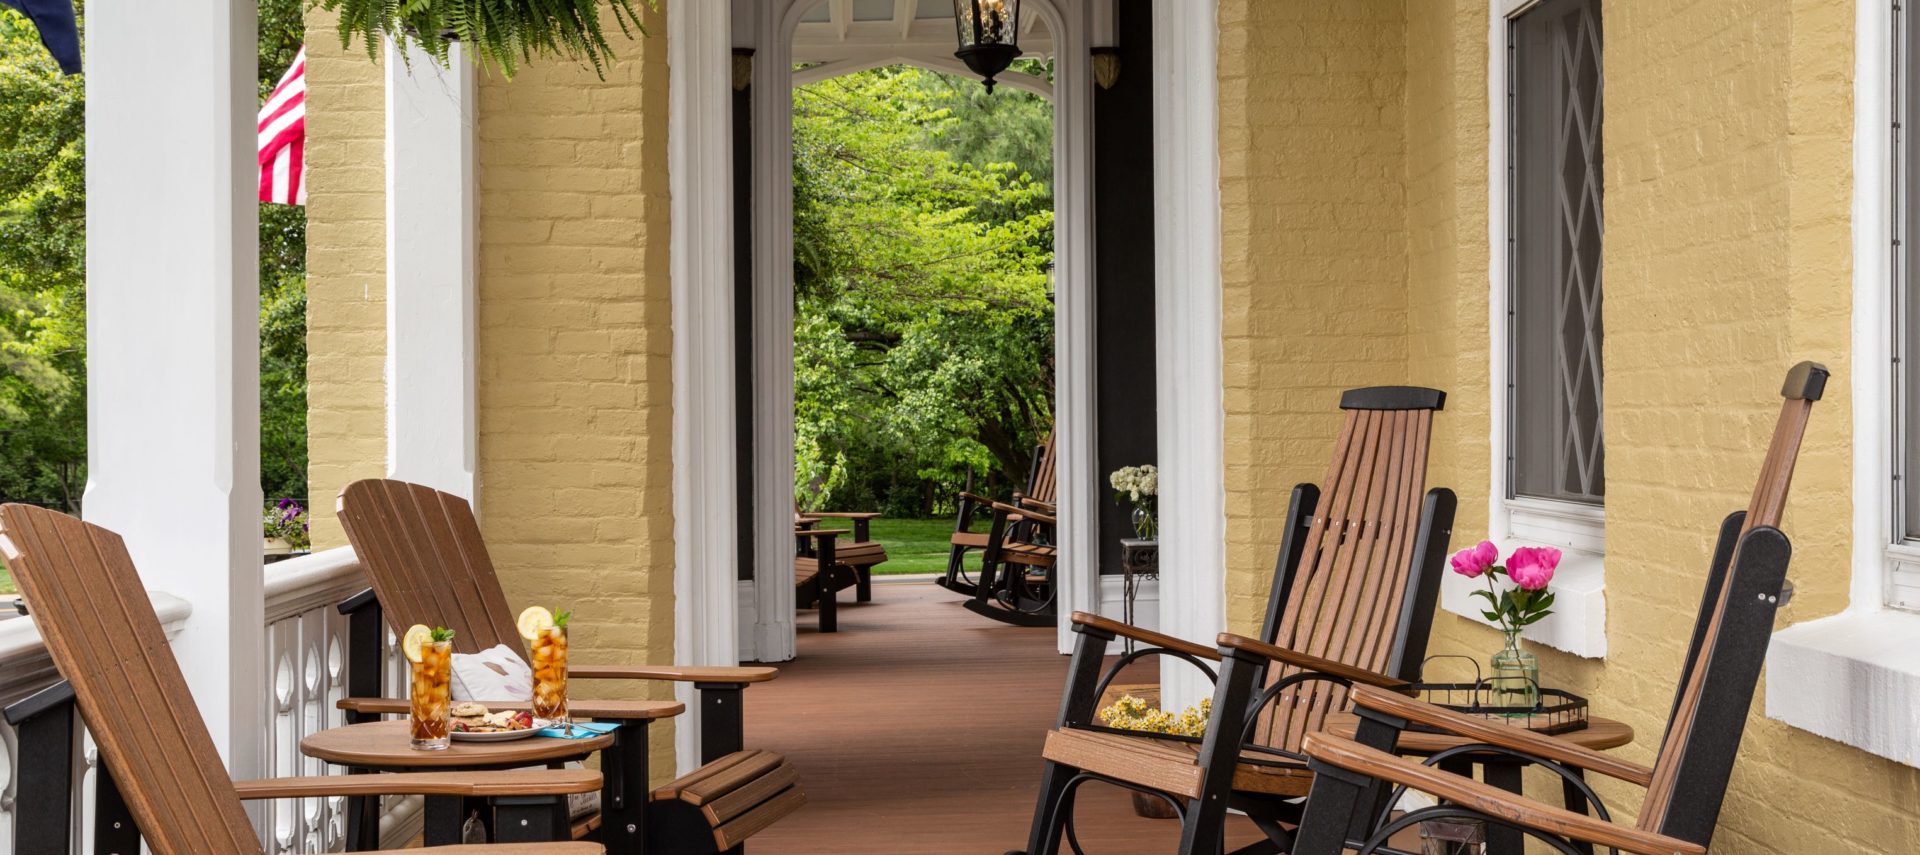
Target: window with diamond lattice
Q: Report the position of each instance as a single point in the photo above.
(1556, 451)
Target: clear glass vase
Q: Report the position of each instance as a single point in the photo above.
(1516, 675)
(1145, 527)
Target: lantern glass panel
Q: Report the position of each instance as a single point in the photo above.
(987, 22)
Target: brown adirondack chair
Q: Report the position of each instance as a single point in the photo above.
(860, 555)
(1038, 496)
(422, 550)
(161, 780)
(1351, 604)
(819, 573)
(1688, 781)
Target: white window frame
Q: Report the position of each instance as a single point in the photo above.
(1852, 677)
(1579, 622)
(1901, 562)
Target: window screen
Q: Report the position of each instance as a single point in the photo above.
(1556, 449)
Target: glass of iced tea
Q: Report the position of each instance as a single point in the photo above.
(550, 674)
(429, 710)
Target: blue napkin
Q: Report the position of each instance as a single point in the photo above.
(581, 730)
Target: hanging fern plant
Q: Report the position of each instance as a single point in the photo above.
(499, 34)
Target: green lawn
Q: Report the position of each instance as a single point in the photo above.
(6, 581)
(913, 546)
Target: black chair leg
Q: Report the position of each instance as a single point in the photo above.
(863, 586)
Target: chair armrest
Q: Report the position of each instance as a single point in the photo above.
(819, 532)
(1493, 733)
(1273, 653)
(544, 782)
(844, 515)
(605, 710)
(1146, 636)
(740, 675)
(1029, 513)
(976, 498)
(1029, 501)
(1492, 801)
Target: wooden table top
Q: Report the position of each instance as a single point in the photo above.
(385, 745)
(1600, 734)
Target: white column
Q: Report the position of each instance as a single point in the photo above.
(1076, 422)
(1191, 420)
(700, 156)
(173, 332)
(773, 329)
(431, 116)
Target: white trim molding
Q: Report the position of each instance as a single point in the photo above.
(1852, 677)
(700, 160)
(1579, 622)
(1191, 418)
(432, 437)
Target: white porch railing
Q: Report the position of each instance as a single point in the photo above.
(25, 668)
(305, 657)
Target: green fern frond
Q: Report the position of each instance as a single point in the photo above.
(498, 34)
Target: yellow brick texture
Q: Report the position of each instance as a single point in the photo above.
(575, 342)
(574, 339)
(346, 271)
(1313, 247)
(1727, 257)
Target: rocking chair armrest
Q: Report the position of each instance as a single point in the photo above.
(1145, 636)
(820, 532)
(738, 675)
(542, 782)
(1505, 736)
(1274, 653)
(603, 710)
(1029, 501)
(844, 515)
(975, 498)
(1028, 513)
(1492, 801)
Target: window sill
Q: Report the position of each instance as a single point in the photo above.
(1851, 678)
(1578, 624)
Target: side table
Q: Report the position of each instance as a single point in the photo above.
(1139, 560)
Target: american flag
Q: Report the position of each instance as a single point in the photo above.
(283, 138)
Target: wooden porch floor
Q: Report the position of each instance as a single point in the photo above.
(917, 729)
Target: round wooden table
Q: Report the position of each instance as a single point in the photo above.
(1501, 770)
(386, 746)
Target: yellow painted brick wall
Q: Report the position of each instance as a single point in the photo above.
(575, 379)
(1313, 247)
(346, 272)
(574, 340)
(1728, 147)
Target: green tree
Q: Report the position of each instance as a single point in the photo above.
(923, 321)
(43, 277)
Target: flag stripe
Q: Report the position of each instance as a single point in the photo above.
(283, 138)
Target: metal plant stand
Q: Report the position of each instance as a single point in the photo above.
(1139, 561)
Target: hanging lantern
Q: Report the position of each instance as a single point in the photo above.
(989, 35)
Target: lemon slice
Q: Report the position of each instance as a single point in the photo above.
(534, 619)
(417, 636)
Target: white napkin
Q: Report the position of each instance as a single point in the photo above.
(495, 674)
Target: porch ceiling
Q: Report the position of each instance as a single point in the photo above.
(871, 31)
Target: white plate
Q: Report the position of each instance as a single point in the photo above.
(502, 735)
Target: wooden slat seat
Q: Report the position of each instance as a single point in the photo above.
(969, 539)
(1169, 765)
(867, 553)
(736, 795)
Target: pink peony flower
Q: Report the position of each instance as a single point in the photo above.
(1531, 567)
(1474, 561)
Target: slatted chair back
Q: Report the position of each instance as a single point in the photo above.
(1689, 777)
(422, 551)
(1345, 589)
(101, 630)
(1040, 480)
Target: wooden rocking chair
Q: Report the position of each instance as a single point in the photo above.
(1351, 603)
(1038, 497)
(160, 780)
(1016, 583)
(1688, 781)
(422, 550)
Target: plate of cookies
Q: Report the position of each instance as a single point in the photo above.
(473, 722)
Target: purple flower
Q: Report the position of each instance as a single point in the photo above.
(1531, 567)
(1474, 561)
